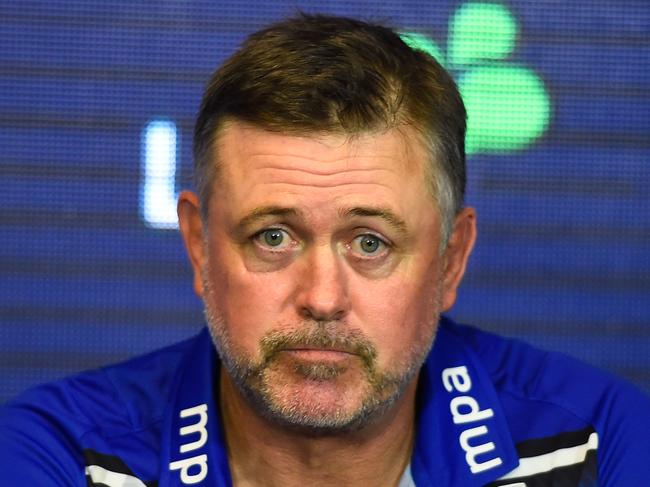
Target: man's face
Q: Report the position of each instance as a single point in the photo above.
(321, 271)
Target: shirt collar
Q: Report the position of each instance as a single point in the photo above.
(193, 444)
(462, 435)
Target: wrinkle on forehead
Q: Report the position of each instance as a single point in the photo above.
(343, 177)
(329, 152)
(311, 170)
(286, 187)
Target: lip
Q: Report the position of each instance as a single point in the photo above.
(319, 354)
(317, 348)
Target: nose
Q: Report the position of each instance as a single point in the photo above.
(323, 289)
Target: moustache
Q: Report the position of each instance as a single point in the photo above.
(316, 335)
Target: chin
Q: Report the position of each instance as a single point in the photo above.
(320, 400)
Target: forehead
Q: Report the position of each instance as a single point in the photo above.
(261, 167)
(238, 145)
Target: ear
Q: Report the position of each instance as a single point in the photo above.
(456, 255)
(191, 227)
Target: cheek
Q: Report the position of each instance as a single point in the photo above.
(250, 303)
(398, 313)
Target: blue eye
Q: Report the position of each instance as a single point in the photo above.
(274, 238)
(368, 244)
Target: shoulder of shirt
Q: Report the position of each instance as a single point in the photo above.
(527, 373)
(116, 399)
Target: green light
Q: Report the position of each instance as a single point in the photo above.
(481, 32)
(507, 104)
(421, 42)
(507, 107)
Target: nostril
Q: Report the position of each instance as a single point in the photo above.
(321, 316)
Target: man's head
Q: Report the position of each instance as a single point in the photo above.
(319, 74)
(329, 155)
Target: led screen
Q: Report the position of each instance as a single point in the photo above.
(97, 101)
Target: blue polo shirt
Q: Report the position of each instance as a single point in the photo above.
(491, 412)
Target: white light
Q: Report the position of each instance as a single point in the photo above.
(157, 188)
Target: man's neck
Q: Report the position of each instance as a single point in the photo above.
(261, 453)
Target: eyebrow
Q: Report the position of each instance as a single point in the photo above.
(263, 212)
(385, 214)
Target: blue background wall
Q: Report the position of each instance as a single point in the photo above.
(563, 257)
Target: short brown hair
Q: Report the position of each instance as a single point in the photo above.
(318, 73)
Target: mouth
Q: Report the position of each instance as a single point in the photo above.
(316, 354)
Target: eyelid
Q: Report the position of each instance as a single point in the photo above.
(270, 227)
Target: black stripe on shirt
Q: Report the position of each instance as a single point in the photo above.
(112, 463)
(584, 474)
(540, 446)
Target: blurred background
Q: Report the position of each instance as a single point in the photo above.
(97, 101)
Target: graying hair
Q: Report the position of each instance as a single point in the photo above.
(316, 74)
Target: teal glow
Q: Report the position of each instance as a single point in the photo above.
(508, 108)
(507, 104)
(481, 32)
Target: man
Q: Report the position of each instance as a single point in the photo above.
(327, 236)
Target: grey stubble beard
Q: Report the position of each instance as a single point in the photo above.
(383, 389)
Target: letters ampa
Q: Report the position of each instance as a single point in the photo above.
(465, 410)
(197, 463)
